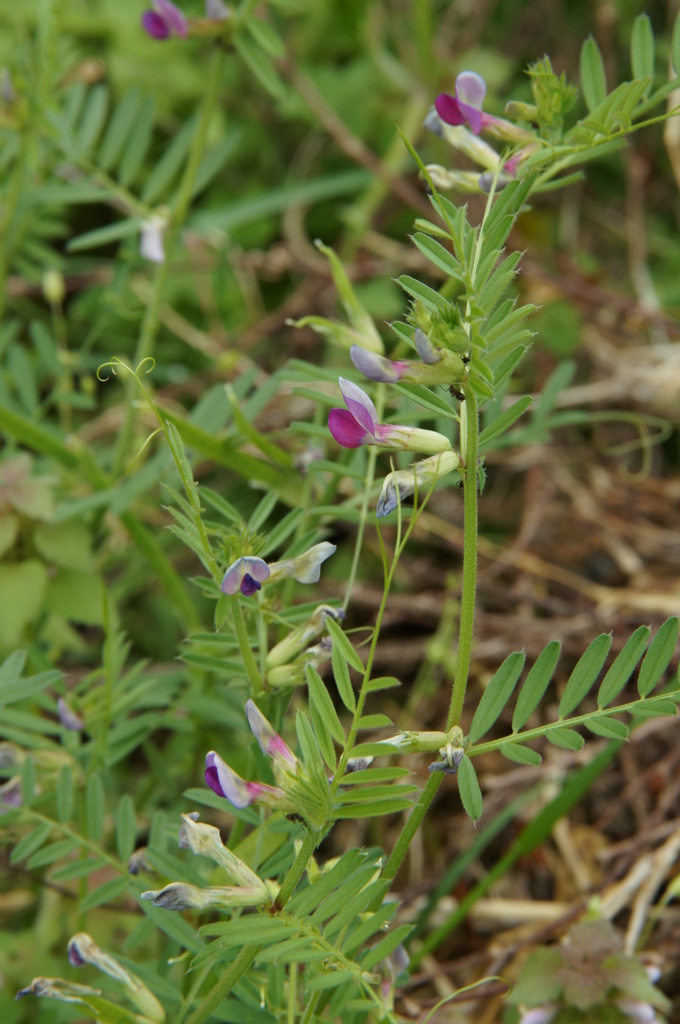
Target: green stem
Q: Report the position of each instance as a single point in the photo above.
(469, 588)
(298, 867)
(147, 337)
(249, 662)
(469, 449)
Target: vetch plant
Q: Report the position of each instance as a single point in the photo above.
(266, 926)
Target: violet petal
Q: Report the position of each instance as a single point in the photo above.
(449, 109)
(346, 430)
(359, 404)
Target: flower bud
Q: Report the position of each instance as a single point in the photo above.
(82, 949)
(299, 638)
(401, 483)
(460, 181)
(205, 840)
(53, 287)
(182, 896)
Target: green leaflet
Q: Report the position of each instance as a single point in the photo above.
(496, 696)
(520, 754)
(609, 728)
(593, 81)
(342, 677)
(658, 656)
(439, 255)
(585, 673)
(642, 47)
(503, 422)
(64, 793)
(621, 670)
(94, 807)
(105, 893)
(126, 827)
(569, 739)
(468, 787)
(31, 842)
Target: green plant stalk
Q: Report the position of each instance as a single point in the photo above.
(469, 586)
(363, 692)
(147, 337)
(469, 446)
(298, 867)
(249, 662)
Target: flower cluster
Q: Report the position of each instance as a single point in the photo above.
(460, 119)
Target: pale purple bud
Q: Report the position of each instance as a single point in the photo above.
(225, 782)
(138, 862)
(11, 794)
(375, 367)
(269, 741)
(67, 716)
(424, 347)
(182, 896)
(541, 1015)
(639, 1013)
(442, 178)
(449, 765)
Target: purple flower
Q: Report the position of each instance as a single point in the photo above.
(164, 19)
(248, 573)
(466, 106)
(358, 424)
(285, 765)
(435, 367)
(225, 782)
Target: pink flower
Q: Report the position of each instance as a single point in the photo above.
(163, 20)
(466, 106)
(225, 782)
(358, 424)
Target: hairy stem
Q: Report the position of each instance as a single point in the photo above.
(469, 588)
